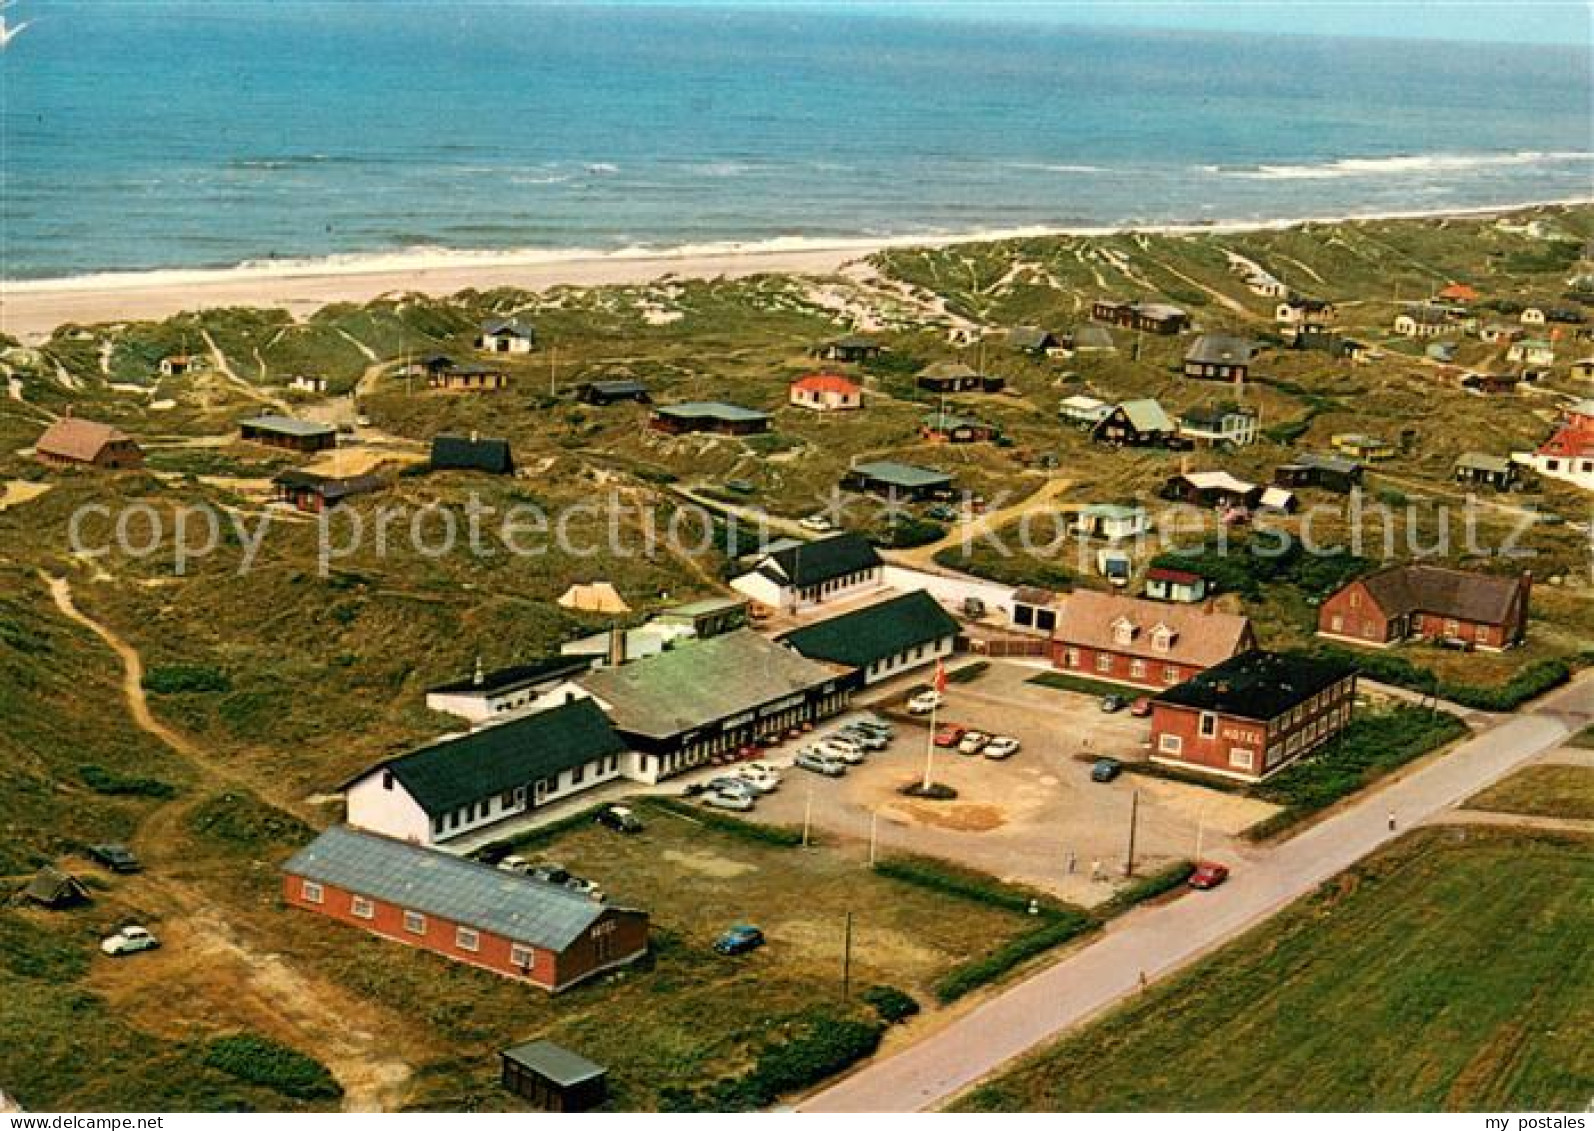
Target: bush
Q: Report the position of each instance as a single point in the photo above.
(1062, 681)
(186, 679)
(1370, 747)
(988, 968)
(724, 823)
(1148, 887)
(114, 784)
(905, 533)
(260, 1060)
(241, 822)
(968, 673)
(1529, 682)
(893, 1005)
(938, 877)
(804, 1051)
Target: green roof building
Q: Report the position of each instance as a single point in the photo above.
(883, 640)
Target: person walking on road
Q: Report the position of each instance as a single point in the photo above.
(1391, 820)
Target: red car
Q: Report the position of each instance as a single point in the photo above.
(1141, 707)
(949, 735)
(1208, 875)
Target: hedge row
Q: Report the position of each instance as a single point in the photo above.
(1370, 747)
(777, 835)
(968, 673)
(186, 679)
(532, 838)
(814, 1048)
(114, 783)
(1530, 681)
(1148, 887)
(935, 876)
(1058, 929)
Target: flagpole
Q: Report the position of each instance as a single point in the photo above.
(929, 751)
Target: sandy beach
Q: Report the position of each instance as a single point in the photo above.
(31, 309)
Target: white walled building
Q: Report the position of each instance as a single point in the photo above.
(803, 574)
(524, 688)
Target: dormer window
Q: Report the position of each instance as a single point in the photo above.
(387, 779)
(1123, 631)
(1162, 638)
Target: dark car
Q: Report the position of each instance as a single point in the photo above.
(618, 818)
(116, 857)
(1106, 769)
(739, 940)
(941, 512)
(741, 486)
(1113, 703)
(1208, 875)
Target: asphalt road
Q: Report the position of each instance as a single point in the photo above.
(1156, 941)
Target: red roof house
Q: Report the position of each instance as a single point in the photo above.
(1143, 643)
(826, 392)
(71, 441)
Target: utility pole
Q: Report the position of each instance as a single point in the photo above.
(1134, 816)
(808, 815)
(553, 363)
(846, 960)
(874, 834)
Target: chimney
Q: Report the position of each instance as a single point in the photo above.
(478, 676)
(616, 646)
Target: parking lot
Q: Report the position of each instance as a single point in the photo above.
(1024, 818)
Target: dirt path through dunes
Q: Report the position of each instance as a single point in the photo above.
(206, 966)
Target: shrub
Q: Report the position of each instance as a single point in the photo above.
(495, 851)
(968, 673)
(242, 822)
(989, 967)
(186, 679)
(948, 880)
(906, 533)
(800, 1053)
(1148, 887)
(1529, 682)
(893, 1005)
(115, 784)
(260, 1060)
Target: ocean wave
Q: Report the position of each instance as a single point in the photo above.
(602, 168)
(1402, 165)
(1048, 167)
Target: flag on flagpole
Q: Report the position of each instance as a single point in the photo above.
(940, 677)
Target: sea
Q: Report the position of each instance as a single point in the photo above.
(147, 136)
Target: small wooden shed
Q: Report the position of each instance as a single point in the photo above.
(553, 1078)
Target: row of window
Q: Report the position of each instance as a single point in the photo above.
(1138, 669)
(511, 800)
(696, 753)
(836, 584)
(465, 938)
(1240, 757)
(902, 659)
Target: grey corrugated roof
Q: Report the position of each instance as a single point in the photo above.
(1147, 416)
(1219, 349)
(459, 890)
(1481, 462)
(494, 326)
(701, 683)
(901, 474)
(713, 410)
(554, 1062)
(286, 425)
(455, 772)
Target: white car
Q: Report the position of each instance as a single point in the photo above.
(129, 940)
(760, 775)
(845, 749)
(924, 702)
(1002, 746)
(736, 802)
(514, 864)
(817, 523)
(973, 742)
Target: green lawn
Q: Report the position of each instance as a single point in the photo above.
(1449, 973)
(1542, 791)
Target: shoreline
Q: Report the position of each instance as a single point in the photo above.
(31, 309)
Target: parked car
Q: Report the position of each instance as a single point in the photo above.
(116, 857)
(1207, 875)
(129, 940)
(817, 523)
(732, 783)
(1002, 746)
(1141, 707)
(736, 802)
(1106, 769)
(515, 864)
(870, 723)
(619, 818)
(760, 775)
(842, 749)
(870, 740)
(949, 734)
(819, 762)
(1111, 704)
(550, 874)
(739, 940)
(585, 887)
(973, 742)
(741, 486)
(924, 702)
